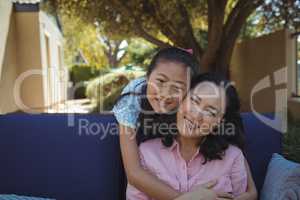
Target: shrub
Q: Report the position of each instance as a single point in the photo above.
(82, 74)
(291, 142)
(104, 90)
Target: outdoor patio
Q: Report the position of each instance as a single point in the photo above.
(65, 63)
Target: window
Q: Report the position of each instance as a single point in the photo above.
(60, 57)
(49, 76)
(47, 42)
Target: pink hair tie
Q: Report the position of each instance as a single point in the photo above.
(188, 50)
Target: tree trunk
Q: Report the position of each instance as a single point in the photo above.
(216, 14)
(221, 35)
(222, 38)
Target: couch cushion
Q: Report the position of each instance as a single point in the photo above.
(41, 155)
(261, 142)
(17, 197)
(282, 180)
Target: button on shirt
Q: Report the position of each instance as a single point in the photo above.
(168, 165)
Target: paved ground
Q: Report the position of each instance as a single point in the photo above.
(72, 106)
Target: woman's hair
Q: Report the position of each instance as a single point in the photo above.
(149, 122)
(214, 145)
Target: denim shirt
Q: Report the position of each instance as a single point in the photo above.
(128, 108)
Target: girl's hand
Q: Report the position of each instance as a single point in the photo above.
(202, 192)
(224, 196)
(205, 192)
(220, 195)
(247, 196)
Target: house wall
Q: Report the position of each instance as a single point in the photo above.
(9, 68)
(5, 15)
(29, 59)
(56, 74)
(24, 65)
(260, 58)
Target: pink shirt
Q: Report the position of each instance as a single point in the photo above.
(169, 166)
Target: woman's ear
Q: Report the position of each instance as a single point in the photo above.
(218, 125)
(219, 120)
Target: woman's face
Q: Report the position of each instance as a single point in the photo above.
(167, 85)
(201, 111)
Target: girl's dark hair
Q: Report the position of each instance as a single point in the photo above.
(173, 54)
(215, 144)
(150, 123)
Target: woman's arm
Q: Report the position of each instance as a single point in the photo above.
(251, 193)
(136, 175)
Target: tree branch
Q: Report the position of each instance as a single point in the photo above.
(139, 28)
(240, 12)
(141, 32)
(117, 48)
(166, 27)
(234, 23)
(295, 34)
(191, 41)
(121, 58)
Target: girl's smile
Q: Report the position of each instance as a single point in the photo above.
(166, 88)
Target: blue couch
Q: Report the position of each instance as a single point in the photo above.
(40, 155)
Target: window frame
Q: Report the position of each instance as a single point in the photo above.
(297, 74)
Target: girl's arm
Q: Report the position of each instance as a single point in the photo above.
(136, 175)
(142, 180)
(238, 175)
(133, 194)
(251, 193)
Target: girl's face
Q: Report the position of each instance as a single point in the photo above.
(201, 111)
(167, 85)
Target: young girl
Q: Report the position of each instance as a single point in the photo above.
(207, 120)
(145, 102)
